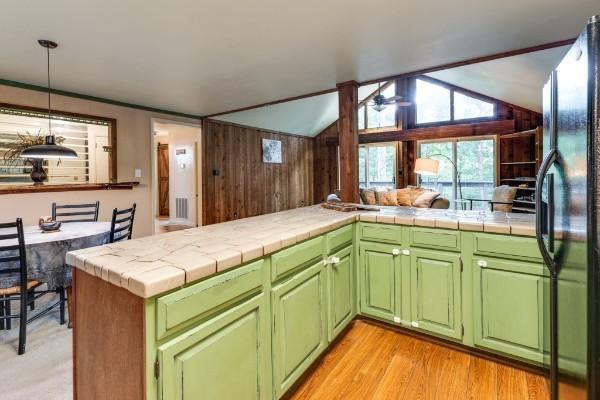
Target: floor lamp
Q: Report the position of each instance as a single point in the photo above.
(429, 166)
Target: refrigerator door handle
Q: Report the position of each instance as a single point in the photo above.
(544, 167)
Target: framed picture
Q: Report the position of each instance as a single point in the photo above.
(271, 151)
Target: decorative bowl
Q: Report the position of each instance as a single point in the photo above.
(50, 226)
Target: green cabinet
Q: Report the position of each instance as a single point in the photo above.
(227, 357)
(435, 278)
(340, 281)
(508, 307)
(380, 289)
(299, 325)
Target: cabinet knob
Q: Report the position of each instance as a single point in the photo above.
(396, 252)
(335, 260)
(482, 263)
(326, 261)
(406, 252)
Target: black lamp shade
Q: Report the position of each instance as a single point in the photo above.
(48, 150)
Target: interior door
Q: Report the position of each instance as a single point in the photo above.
(163, 179)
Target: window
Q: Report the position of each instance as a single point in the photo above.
(88, 138)
(377, 166)
(467, 107)
(432, 102)
(475, 159)
(368, 118)
(436, 102)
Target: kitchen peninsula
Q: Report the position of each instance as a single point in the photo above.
(178, 310)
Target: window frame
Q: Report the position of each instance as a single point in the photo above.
(366, 146)
(27, 111)
(454, 142)
(452, 89)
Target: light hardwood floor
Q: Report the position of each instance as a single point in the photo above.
(372, 362)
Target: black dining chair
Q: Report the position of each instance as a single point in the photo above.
(121, 226)
(13, 269)
(75, 212)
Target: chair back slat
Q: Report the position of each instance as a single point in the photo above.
(12, 255)
(90, 210)
(118, 232)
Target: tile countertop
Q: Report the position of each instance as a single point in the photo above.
(155, 264)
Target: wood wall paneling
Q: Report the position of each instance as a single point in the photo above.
(348, 138)
(237, 184)
(326, 163)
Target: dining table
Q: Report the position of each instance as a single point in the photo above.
(46, 251)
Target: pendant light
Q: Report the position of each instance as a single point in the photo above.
(49, 149)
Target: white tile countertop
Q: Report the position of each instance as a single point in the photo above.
(155, 264)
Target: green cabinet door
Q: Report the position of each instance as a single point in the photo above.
(435, 281)
(299, 325)
(340, 273)
(227, 357)
(508, 307)
(380, 284)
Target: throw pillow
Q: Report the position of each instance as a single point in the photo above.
(425, 199)
(403, 197)
(385, 198)
(414, 193)
(368, 197)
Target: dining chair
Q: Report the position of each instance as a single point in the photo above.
(121, 226)
(13, 269)
(502, 199)
(75, 212)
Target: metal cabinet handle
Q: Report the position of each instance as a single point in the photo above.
(482, 263)
(396, 252)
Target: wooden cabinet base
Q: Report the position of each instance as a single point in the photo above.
(108, 341)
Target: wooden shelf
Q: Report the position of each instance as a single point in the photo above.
(522, 179)
(518, 135)
(13, 189)
(524, 201)
(518, 162)
(524, 209)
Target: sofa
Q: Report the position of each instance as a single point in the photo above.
(407, 197)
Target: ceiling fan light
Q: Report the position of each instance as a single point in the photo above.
(378, 107)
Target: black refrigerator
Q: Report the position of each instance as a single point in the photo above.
(568, 203)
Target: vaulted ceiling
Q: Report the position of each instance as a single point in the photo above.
(203, 57)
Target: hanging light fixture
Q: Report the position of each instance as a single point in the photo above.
(378, 103)
(49, 149)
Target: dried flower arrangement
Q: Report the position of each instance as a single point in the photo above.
(13, 154)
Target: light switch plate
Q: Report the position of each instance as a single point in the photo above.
(137, 172)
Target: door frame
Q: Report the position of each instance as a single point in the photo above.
(154, 170)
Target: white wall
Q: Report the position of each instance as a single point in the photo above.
(183, 171)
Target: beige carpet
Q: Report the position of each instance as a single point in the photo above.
(45, 370)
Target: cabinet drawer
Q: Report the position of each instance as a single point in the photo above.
(381, 233)
(502, 246)
(441, 239)
(339, 238)
(286, 261)
(188, 305)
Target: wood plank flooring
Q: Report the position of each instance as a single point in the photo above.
(371, 362)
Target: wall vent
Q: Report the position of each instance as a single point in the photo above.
(181, 207)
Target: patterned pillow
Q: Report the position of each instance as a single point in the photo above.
(414, 193)
(386, 198)
(403, 197)
(368, 196)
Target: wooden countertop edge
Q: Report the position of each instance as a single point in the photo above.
(16, 189)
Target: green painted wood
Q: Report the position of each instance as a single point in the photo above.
(339, 238)
(340, 292)
(380, 271)
(436, 292)
(289, 260)
(508, 308)
(381, 233)
(440, 239)
(228, 357)
(466, 255)
(506, 246)
(299, 325)
(184, 307)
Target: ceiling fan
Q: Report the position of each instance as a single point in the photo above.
(379, 102)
